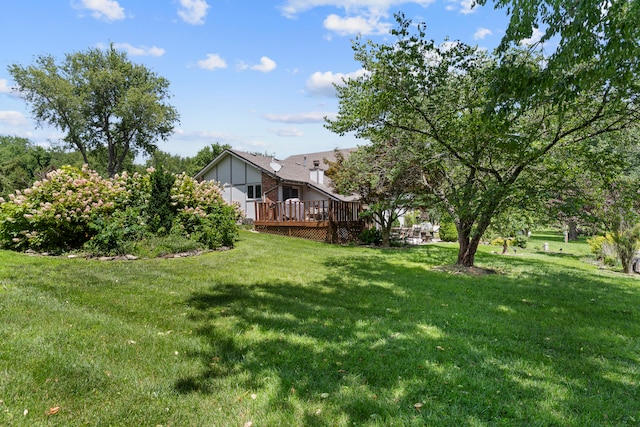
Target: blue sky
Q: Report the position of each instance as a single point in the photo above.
(255, 74)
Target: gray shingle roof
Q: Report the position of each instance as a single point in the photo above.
(295, 169)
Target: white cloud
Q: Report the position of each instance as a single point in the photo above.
(481, 33)
(291, 8)
(212, 62)
(193, 11)
(287, 132)
(463, 6)
(139, 51)
(12, 118)
(361, 16)
(535, 38)
(266, 65)
(300, 118)
(356, 25)
(4, 86)
(107, 10)
(322, 84)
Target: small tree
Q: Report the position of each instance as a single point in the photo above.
(160, 211)
(383, 177)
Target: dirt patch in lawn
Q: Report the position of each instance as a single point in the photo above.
(467, 271)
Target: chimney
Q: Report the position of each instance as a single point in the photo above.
(317, 174)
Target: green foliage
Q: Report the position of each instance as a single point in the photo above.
(411, 218)
(448, 231)
(151, 246)
(480, 124)
(205, 156)
(601, 35)
(370, 236)
(160, 212)
(54, 214)
(602, 246)
(20, 163)
(218, 228)
(116, 234)
(498, 241)
(520, 241)
(383, 176)
(74, 207)
(108, 107)
(626, 241)
(171, 163)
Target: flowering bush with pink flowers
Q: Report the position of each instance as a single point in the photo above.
(74, 207)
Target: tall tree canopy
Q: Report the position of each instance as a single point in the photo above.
(102, 101)
(601, 33)
(480, 124)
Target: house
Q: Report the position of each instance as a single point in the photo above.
(291, 196)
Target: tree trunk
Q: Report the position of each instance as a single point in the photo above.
(505, 246)
(468, 248)
(469, 243)
(386, 237)
(573, 230)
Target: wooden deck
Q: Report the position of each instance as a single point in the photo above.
(324, 220)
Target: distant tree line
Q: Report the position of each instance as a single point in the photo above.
(23, 162)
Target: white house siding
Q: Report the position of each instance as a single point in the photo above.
(234, 175)
(311, 194)
(238, 171)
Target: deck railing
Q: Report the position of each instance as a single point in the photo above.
(310, 211)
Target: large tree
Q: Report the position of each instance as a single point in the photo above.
(479, 123)
(103, 102)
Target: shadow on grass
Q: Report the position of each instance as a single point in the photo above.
(384, 339)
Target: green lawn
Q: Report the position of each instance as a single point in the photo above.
(286, 332)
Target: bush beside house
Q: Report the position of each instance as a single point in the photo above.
(75, 209)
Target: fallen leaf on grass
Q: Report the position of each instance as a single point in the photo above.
(53, 411)
(248, 424)
(440, 348)
(324, 395)
(417, 406)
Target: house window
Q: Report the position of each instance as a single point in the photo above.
(254, 191)
(289, 193)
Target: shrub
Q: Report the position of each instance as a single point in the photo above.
(115, 235)
(74, 207)
(602, 246)
(371, 236)
(159, 210)
(521, 241)
(54, 214)
(448, 231)
(499, 241)
(216, 229)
